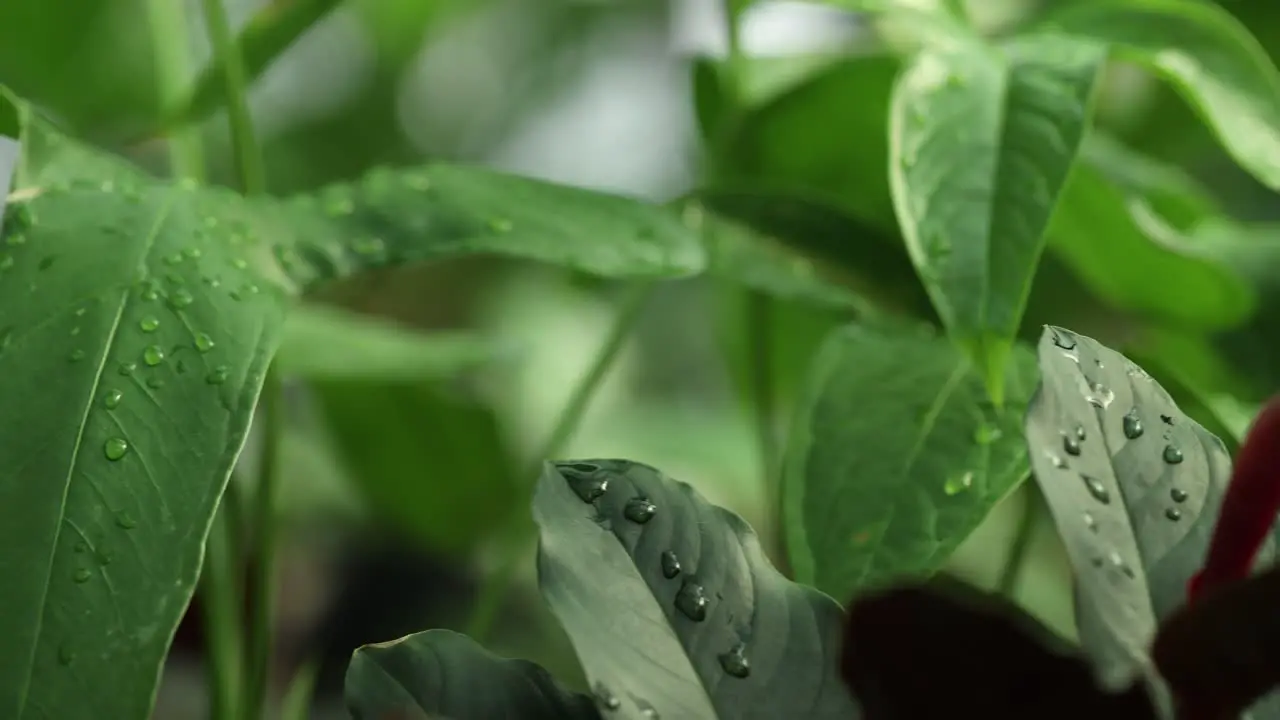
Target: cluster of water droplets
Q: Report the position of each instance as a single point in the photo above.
(590, 483)
(1132, 426)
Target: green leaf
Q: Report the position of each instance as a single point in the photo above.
(433, 465)
(1133, 485)
(671, 605)
(895, 457)
(267, 34)
(10, 145)
(140, 319)
(1210, 59)
(980, 146)
(328, 343)
(442, 674)
(396, 217)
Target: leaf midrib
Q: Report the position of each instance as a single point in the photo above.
(74, 460)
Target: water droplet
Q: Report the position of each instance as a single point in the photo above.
(1079, 431)
(1057, 460)
(181, 298)
(1132, 425)
(125, 521)
(218, 375)
(75, 331)
(126, 369)
(46, 262)
(368, 246)
(500, 225)
(1099, 395)
(692, 602)
(173, 259)
(111, 400)
(639, 510)
(192, 251)
(1166, 419)
(1178, 495)
(1096, 489)
(986, 434)
(204, 343)
(647, 711)
(115, 448)
(239, 263)
(607, 699)
(76, 355)
(1090, 522)
(418, 182)
(586, 485)
(1172, 454)
(155, 383)
(153, 355)
(1070, 445)
(66, 655)
(1173, 514)
(957, 484)
(81, 546)
(735, 663)
(670, 564)
(1063, 339)
(149, 324)
(83, 575)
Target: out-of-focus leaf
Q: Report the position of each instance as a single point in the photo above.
(909, 653)
(267, 34)
(1208, 56)
(896, 456)
(671, 604)
(327, 343)
(974, 205)
(442, 674)
(10, 145)
(434, 464)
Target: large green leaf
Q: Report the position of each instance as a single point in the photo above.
(1208, 56)
(441, 674)
(140, 318)
(895, 457)
(671, 605)
(981, 141)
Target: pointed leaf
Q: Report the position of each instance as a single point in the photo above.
(442, 674)
(671, 604)
(896, 457)
(974, 204)
(1208, 56)
(1134, 487)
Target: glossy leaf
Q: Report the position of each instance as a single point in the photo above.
(1134, 487)
(673, 607)
(264, 38)
(441, 674)
(1209, 58)
(328, 343)
(896, 457)
(909, 653)
(974, 204)
(140, 320)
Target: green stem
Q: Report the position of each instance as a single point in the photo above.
(495, 586)
(244, 142)
(1022, 536)
(760, 328)
(261, 584)
(168, 23)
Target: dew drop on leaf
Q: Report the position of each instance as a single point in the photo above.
(639, 510)
(76, 355)
(125, 521)
(1058, 461)
(1132, 425)
(986, 434)
(735, 663)
(1096, 489)
(218, 375)
(1172, 454)
(66, 655)
(149, 324)
(111, 400)
(1178, 495)
(1090, 522)
(1173, 514)
(670, 564)
(155, 383)
(153, 355)
(692, 602)
(204, 343)
(127, 369)
(181, 298)
(1079, 433)
(957, 484)
(82, 575)
(1070, 445)
(115, 448)
(605, 697)
(588, 488)
(1099, 395)
(500, 225)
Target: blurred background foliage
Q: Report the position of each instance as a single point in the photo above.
(401, 471)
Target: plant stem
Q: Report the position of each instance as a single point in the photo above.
(261, 584)
(495, 586)
(760, 328)
(1017, 556)
(168, 23)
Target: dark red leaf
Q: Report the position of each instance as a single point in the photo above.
(934, 651)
